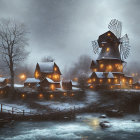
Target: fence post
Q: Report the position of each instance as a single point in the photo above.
(23, 112)
(1, 108)
(12, 110)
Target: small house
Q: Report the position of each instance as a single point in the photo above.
(67, 85)
(47, 70)
(3, 81)
(31, 82)
(136, 85)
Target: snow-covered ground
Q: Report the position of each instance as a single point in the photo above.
(91, 97)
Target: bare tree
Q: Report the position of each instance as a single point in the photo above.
(12, 44)
(47, 59)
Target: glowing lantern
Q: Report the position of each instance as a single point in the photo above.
(109, 68)
(22, 76)
(52, 87)
(40, 95)
(101, 66)
(94, 79)
(107, 49)
(51, 96)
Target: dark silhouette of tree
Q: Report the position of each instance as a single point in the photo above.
(12, 45)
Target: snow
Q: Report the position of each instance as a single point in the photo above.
(2, 79)
(50, 80)
(46, 66)
(110, 75)
(32, 80)
(75, 83)
(100, 74)
(18, 85)
(17, 108)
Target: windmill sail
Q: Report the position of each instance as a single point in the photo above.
(115, 27)
(124, 46)
(95, 47)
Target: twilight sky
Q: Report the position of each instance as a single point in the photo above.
(64, 29)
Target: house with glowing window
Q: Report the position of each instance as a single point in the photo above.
(108, 69)
(48, 72)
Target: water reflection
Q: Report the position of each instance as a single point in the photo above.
(93, 123)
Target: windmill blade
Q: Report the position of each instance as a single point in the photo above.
(95, 47)
(115, 27)
(124, 46)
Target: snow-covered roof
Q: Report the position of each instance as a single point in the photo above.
(110, 75)
(100, 74)
(32, 80)
(75, 83)
(50, 80)
(46, 67)
(2, 79)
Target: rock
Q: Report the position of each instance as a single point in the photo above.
(105, 124)
(103, 116)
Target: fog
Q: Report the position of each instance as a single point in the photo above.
(64, 29)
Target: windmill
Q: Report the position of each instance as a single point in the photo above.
(115, 27)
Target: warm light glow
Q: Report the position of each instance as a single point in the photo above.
(40, 95)
(108, 34)
(51, 96)
(52, 87)
(89, 81)
(49, 76)
(23, 95)
(94, 70)
(22, 76)
(65, 94)
(55, 68)
(91, 86)
(102, 45)
(111, 87)
(36, 74)
(101, 66)
(109, 80)
(72, 94)
(94, 79)
(136, 87)
(109, 68)
(130, 81)
(101, 80)
(55, 76)
(1, 92)
(133, 74)
(116, 80)
(107, 49)
(75, 79)
(123, 80)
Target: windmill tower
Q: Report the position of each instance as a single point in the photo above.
(113, 50)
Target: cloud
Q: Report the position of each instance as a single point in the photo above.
(65, 28)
